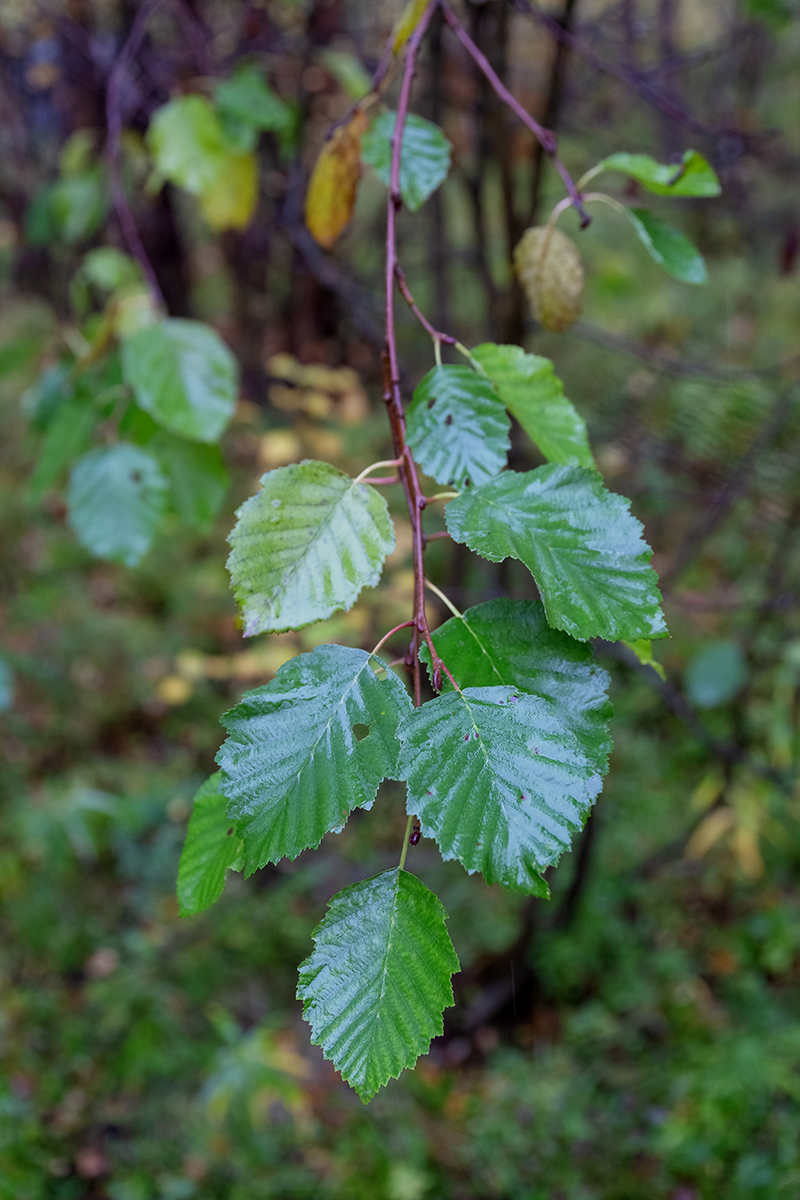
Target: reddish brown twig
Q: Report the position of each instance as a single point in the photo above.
(415, 498)
(546, 138)
(423, 320)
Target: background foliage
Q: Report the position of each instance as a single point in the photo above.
(638, 1036)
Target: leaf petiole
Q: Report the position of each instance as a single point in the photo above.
(385, 462)
(406, 840)
(441, 496)
(433, 588)
(386, 636)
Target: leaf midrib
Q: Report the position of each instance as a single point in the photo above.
(287, 576)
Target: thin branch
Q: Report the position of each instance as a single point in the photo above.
(553, 105)
(545, 137)
(392, 396)
(423, 320)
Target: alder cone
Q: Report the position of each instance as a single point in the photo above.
(331, 195)
(550, 269)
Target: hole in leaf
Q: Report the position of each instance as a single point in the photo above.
(360, 731)
(136, 476)
(448, 419)
(467, 483)
(230, 831)
(431, 402)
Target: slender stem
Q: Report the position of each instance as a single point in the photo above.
(589, 175)
(602, 198)
(406, 840)
(386, 636)
(552, 108)
(392, 395)
(385, 462)
(561, 207)
(473, 362)
(435, 537)
(384, 480)
(423, 320)
(546, 138)
(433, 588)
(441, 496)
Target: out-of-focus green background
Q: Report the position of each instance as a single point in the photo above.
(636, 1038)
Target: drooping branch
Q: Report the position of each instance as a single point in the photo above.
(415, 498)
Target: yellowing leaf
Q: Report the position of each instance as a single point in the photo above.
(549, 267)
(407, 22)
(331, 194)
(230, 200)
(709, 831)
(187, 141)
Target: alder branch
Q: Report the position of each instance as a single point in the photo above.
(415, 498)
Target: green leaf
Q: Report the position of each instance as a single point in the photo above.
(211, 849)
(70, 210)
(533, 393)
(68, 434)
(186, 141)
(247, 104)
(694, 176)
(580, 543)
(295, 764)
(424, 157)
(457, 427)
(643, 649)
(348, 71)
(184, 376)
(716, 674)
(115, 500)
(499, 779)
(510, 642)
(305, 546)
(198, 478)
(108, 268)
(668, 246)
(378, 981)
(189, 147)
(42, 400)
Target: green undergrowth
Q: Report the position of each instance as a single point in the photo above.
(651, 1048)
